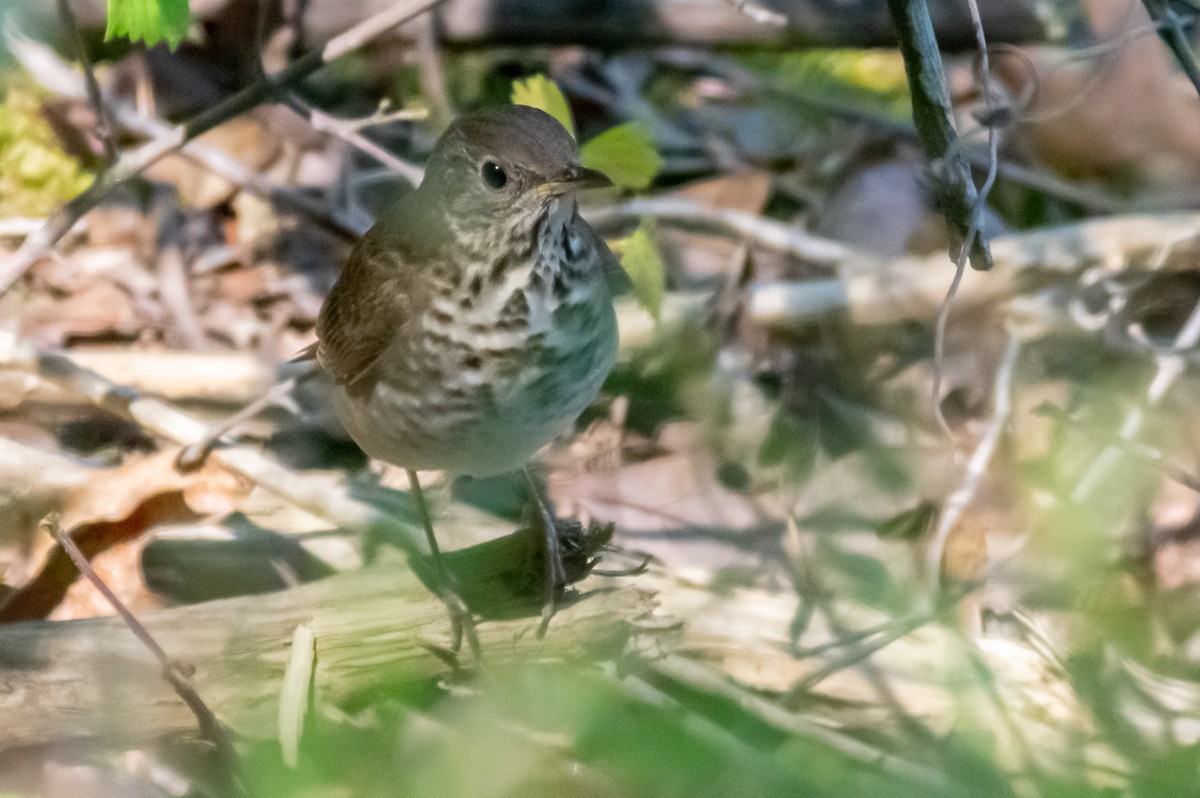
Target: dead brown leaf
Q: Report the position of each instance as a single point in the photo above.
(118, 506)
(100, 308)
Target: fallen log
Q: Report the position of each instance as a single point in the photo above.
(376, 627)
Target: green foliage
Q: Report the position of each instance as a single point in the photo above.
(35, 174)
(626, 154)
(908, 524)
(542, 93)
(643, 264)
(869, 79)
(792, 441)
(533, 730)
(151, 21)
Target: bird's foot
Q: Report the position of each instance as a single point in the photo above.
(462, 623)
(554, 575)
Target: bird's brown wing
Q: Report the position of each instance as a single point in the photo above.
(371, 304)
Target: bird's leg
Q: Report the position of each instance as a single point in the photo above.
(555, 575)
(461, 621)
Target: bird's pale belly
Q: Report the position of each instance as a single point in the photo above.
(487, 421)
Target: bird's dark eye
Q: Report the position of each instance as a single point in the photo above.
(493, 175)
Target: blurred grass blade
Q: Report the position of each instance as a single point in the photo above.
(294, 695)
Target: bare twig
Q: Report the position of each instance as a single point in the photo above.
(1169, 366)
(349, 130)
(173, 284)
(1171, 28)
(55, 75)
(332, 503)
(195, 453)
(19, 226)
(975, 228)
(935, 124)
(977, 466)
(432, 70)
(761, 230)
(175, 673)
(698, 677)
(104, 128)
(134, 162)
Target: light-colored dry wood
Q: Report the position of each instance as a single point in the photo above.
(225, 377)
(379, 626)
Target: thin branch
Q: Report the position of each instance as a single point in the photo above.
(977, 466)
(761, 230)
(104, 128)
(1169, 367)
(935, 123)
(173, 285)
(330, 502)
(134, 162)
(974, 230)
(55, 75)
(210, 728)
(696, 676)
(349, 130)
(431, 70)
(1170, 28)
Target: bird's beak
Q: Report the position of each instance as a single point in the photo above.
(574, 178)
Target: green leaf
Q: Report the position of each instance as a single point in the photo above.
(625, 153)
(542, 93)
(791, 441)
(641, 261)
(908, 524)
(151, 21)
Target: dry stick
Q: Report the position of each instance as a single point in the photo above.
(104, 128)
(210, 727)
(20, 226)
(977, 466)
(195, 453)
(934, 121)
(1169, 367)
(973, 230)
(763, 231)
(696, 676)
(223, 165)
(1170, 27)
(431, 70)
(349, 130)
(819, 597)
(55, 75)
(173, 285)
(135, 162)
(331, 503)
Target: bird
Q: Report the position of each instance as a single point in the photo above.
(474, 322)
